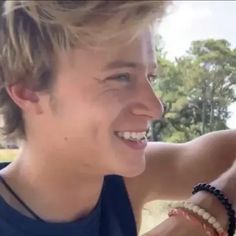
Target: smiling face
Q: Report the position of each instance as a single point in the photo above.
(98, 96)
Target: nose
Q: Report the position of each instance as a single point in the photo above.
(147, 102)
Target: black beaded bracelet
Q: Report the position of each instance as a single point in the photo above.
(224, 201)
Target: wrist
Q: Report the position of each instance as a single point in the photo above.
(195, 219)
(212, 204)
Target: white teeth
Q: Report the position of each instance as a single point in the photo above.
(126, 135)
(132, 135)
(141, 135)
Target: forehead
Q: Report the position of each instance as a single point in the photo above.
(139, 51)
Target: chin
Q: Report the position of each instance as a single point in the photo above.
(126, 161)
(132, 170)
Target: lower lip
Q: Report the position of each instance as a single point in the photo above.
(137, 145)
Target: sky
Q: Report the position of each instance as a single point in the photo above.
(198, 20)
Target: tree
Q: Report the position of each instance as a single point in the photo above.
(197, 89)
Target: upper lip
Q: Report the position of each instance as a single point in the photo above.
(134, 130)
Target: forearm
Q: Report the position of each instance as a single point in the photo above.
(178, 226)
(212, 154)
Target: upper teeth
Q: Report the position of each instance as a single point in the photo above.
(132, 135)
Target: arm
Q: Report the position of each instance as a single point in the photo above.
(173, 169)
(178, 226)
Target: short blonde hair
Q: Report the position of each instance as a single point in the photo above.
(32, 31)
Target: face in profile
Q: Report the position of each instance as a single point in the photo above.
(102, 105)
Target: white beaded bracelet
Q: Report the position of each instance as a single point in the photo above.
(202, 213)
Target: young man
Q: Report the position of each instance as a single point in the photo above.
(76, 91)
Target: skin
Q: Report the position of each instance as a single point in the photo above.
(88, 102)
(173, 169)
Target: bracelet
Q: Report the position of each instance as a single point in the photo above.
(224, 201)
(206, 216)
(193, 219)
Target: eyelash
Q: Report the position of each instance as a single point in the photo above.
(126, 78)
(152, 78)
(121, 77)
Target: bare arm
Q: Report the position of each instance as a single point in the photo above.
(177, 226)
(173, 169)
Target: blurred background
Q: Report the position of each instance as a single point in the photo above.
(196, 52)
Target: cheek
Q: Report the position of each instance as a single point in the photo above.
(108, 112)
(83, 120)
(88, 114)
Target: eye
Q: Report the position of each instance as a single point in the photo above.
(152, 78)
(124, 78)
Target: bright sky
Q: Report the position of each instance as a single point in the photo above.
(196, 20)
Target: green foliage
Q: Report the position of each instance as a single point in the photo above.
(196, 89)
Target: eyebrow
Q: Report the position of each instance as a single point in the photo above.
(126, 64)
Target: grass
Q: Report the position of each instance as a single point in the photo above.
(153, 214)
(7, 155)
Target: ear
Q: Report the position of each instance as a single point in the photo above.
(24, 97)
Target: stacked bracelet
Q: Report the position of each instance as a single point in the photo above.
(202, 213)
(224, 201)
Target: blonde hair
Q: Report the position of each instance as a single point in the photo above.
(31, 32)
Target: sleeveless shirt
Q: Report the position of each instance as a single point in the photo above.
(112, 216)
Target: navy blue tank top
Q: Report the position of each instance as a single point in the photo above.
(112, 216)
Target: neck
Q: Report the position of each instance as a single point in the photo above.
(60, 193)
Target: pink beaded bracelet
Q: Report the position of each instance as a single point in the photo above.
(203, 214)
(181, 212)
